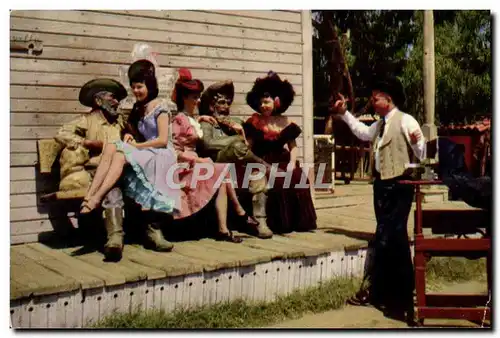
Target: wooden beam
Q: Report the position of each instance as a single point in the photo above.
(307, 93)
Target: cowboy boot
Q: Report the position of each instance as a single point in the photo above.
(154, 239)
(259, 212)
(113, 219)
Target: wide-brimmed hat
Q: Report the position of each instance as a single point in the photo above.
(393, 87)
(95, 86)
(225, 88)
(185, 82)
(273, 86)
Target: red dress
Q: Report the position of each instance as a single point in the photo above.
(288, 209)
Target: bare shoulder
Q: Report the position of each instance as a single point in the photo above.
(281, 121)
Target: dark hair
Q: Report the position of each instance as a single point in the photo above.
(142, 71)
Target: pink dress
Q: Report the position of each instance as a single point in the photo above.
(196, 197)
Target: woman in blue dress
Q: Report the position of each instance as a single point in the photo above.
(144, 157)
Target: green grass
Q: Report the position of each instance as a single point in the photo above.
(327, 296)
(239, 314)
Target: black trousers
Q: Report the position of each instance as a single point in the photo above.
(391, 272)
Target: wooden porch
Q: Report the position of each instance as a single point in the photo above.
(71, 287)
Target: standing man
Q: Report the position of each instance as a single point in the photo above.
(224, 141)
(394, 137)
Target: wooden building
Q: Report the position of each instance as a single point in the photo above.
(53, 53)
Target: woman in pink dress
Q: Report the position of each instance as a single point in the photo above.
(186, 134)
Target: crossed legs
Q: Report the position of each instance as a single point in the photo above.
(107, 174)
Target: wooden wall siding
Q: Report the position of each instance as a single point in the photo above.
(81, 45)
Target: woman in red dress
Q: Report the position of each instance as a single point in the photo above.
(273, 137)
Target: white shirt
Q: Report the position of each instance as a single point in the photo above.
(367, 133)
(196, 125)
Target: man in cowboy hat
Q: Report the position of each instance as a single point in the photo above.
(224, 141)
(394, 137)
(83, 140)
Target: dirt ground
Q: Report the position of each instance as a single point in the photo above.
(360, 317)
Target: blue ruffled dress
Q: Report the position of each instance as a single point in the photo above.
(145, 179)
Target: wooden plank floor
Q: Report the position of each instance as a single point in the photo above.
(345, 221)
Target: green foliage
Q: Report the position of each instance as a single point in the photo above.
(391, 43)
(462, 67)
(456, 269)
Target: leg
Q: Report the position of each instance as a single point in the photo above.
(245, 221)
(113, 218)
(154, 239)
(221, 209)
(394, 269)
(376, 269)
(114, 173)
(231, 193)
(259, 211)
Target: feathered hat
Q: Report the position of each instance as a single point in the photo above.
(280, 90)
(184, 83)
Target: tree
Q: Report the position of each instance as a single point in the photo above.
(463, 68)
(391, 43)
(377, 45)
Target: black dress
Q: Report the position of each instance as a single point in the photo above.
(288, 208)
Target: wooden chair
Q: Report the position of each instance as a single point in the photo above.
(474, 307)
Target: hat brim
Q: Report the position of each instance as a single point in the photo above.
(189, 86)
(224, 87)
(86, 96)
(275, 87)
(393, 88)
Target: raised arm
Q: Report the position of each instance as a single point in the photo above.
(358, 128)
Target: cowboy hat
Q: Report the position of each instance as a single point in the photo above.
(393, 87)
(95, 86)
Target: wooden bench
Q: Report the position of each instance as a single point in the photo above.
(48, 152)
(459, 222)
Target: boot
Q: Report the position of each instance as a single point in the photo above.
(259, 212)
(113, 219)
(154, 239)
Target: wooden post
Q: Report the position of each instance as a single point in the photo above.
(307, 93)
(429, 128)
